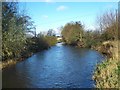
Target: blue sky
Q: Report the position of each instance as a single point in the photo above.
(52, 15)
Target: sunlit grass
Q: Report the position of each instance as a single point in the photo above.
(106, 74)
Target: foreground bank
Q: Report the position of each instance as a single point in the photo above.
(107, 72)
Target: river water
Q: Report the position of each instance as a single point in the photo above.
(59, 67)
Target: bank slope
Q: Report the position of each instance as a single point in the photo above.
(107, 72)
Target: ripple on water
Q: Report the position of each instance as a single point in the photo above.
(59, 67)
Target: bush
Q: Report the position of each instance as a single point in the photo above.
(51, 40)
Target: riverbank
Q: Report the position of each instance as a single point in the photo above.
(32, 45)
(106, 73)
(10, 62)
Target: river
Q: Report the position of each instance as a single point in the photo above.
(59, 67)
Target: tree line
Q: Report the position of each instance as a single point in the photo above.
(16, 43)
(74, 33)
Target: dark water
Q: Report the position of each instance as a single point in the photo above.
(59, 67)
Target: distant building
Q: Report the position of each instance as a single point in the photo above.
(59, 38)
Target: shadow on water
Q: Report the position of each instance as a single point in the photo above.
(59, 67)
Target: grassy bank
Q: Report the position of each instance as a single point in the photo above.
(10, 62)
(106, 74)
(33, 45)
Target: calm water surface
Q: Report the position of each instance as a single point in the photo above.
(59, 67)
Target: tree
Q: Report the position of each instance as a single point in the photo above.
(73, 33)
(108, 24)
(51, 32)
(92, 38)
(14, 27)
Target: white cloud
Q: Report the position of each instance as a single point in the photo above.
(44, 16)
(61, 8)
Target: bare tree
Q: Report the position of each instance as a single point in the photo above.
(108, 23)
